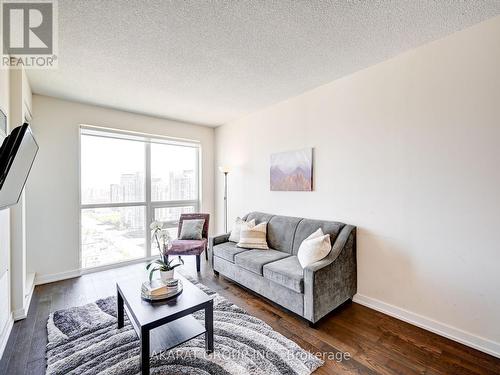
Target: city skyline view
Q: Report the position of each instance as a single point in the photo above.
(109, 165)
(113, 171)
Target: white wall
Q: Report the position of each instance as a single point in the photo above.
(408, 151)
(5, 310)
(20, 112)
(15, 99)
(52, 194)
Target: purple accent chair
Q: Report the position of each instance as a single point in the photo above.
(191, 247)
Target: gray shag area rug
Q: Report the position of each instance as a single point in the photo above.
(85, 340)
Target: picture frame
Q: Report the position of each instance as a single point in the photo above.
(292, 170)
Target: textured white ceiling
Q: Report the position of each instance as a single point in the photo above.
(213, 61)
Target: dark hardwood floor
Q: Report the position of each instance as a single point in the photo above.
(355, 339)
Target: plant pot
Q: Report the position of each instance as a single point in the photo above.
(167, 275)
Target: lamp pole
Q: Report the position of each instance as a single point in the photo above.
(225, 201)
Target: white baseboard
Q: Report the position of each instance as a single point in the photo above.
(23, 312)
(51, 278)
(106, 267)
(442, 329)
(19, 314)
(30, 284)
(5, 334)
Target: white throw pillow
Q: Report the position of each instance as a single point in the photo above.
(238, 224)
(315, 247)
(254, 238)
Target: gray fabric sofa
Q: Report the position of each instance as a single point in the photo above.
(277, 274)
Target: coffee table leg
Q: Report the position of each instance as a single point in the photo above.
(209, 327)
(144, 351)
(119, 308)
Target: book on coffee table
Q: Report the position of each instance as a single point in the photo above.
(159, 288)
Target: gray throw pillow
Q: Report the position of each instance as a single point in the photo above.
(192, 229)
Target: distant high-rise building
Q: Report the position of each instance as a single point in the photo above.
(115, 193)
(130, 189)
(159, 189)
(182, 185)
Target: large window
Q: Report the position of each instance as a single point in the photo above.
(127, 181)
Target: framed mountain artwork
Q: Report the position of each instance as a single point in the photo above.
(292, 170)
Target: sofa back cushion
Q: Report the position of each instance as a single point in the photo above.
(286, 233)
(280, 232)
(308, 226)
(258, 216)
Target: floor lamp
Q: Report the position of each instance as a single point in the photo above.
(225, 170)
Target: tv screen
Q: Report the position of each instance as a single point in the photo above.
(17, 154)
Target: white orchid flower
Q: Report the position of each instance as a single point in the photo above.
(157, 225)
(165, 234)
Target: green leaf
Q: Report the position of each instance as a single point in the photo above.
(160, 262)
(152, 272)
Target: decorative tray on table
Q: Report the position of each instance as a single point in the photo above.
(158, 290)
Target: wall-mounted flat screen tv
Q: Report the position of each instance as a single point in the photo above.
(17, 155)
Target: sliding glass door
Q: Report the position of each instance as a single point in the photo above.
(127, 181)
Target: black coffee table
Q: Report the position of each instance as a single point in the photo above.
(164, 325)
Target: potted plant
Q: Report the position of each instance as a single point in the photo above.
(160, 235)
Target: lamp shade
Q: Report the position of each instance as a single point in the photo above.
(224, 168)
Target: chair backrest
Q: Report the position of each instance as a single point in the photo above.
(195, 216)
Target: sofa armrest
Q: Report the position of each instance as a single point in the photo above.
(216, 240)
(332, 280)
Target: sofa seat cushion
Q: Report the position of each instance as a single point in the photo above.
(286, 272)
(227, 251)
(254, 260)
